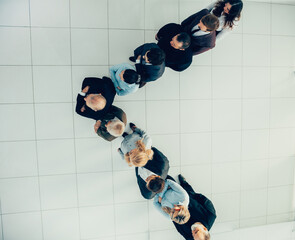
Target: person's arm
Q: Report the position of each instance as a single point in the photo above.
(177, 188)
(146, 139)
(199, 50)
(188, 21)
(138, 51)
(121, 153)
(161, 194)
(158, 206)
(113, 71)
(169, 29)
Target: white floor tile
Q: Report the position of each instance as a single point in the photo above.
(58, 191)
(119, 164)
(250, 222)
(121, 48)
(195, 83)
(157, 123)
(226, 115)
(50, 13)
(190, 7)
(13, 51)
(282, 51)
(61, 224)
(84, 127)
(140, 236)
(51, 46)
(20, 163)
(28, 225)
(89, 46)
(14, 128)
(59, 127)
(169, 234)
(226, 82)
(92, 185)
(282, 113)
(52, 84)
(226, 146)
(129, 15)
(195, 115)
(137, 217)
(158, 14)
(93, 14)
(93, 155)
(195, 148)
(14, 13)
(19, 195)
(282, 13)
(56, 156)
(282, 82)
(96, 222)
(16, 84)
(282, 142)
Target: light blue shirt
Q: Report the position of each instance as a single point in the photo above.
(126, 88)
(172, 194)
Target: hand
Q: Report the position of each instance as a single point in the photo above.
(139, 56)
(160, 200)
(83, 109)
(119, 88)
(133, 128)
(97, 126)
(85, 90)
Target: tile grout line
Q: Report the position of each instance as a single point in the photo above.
(1, 218)
(179, 106)
(35, 123)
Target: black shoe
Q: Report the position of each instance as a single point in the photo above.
(131, 125)
(141, 84)
(181, 179)
(132, 59)
(125, 134)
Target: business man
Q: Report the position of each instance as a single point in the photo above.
(201, 27)
(175, 42)
(202, 215)
(96, 97)
(149, 62)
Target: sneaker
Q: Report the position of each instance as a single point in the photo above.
(181, 179)
(125, 134)
(132, 59)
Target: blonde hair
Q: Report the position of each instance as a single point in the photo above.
(139, 156)
(116, 127)
(181, 216)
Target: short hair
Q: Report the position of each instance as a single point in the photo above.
(139, 156)
(116, 127)
(210, 21)
(156, 56)
(155, 184)
(97, 102)
(130, 76)
(185, 39)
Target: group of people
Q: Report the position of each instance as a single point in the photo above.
(192, 213)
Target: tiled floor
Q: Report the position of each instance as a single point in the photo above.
(227, 123)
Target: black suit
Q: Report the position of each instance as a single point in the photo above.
(176, 59)
(201, 210)
(201, 43)
(158, 165)
(104, 86)
(148, 73)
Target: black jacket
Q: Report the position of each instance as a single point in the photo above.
(158, 165)
(104, 86)
(148, 73)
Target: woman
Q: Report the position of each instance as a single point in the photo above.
(125, 79)
(173, 202)
(136, 147)
(228, 13)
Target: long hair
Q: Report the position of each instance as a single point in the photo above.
(234, 13)
(139, 156)
(181, 217)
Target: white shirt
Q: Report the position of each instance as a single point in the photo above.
(199, 33)
(145, 173)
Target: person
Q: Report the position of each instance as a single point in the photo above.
(149, 62)
(202, 215)
(125, 79)
(228, 13)
(112, 125)
(136, 147)
(201, 26)
(96, 97)
(175, 42)
(173, 202)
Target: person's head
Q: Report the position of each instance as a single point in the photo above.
(95, 101)
(181, 41)
(129, 76)
(155, 56)
(179, 214)
(115, 127)
(200, 232)
(231, 9)
(209, 23)
(155, 184)
(139, 156)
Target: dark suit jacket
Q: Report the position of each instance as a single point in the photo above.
(178, 60)
(104, 86)
(158, 165)
(148, 73)
(201, 210)
(202, 43)
(111, 114)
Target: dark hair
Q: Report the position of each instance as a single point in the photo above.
(210, 21)
(234, 12)
(130, 76)
(185, 39)
(156, 56)
(156, 184)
